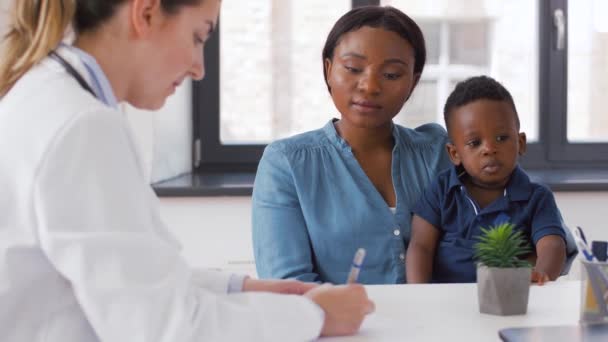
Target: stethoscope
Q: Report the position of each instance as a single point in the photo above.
(70, 69)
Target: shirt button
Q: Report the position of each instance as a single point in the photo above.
(402, 256)
(396, 232)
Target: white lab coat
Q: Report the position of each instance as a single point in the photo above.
(84, 255)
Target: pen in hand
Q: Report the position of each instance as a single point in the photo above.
(356, 266)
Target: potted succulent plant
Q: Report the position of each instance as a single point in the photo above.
(503, 278)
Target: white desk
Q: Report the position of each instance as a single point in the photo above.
(444, 312)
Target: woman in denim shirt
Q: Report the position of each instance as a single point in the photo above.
(321, 195)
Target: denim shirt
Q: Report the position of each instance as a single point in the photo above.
(314, 206)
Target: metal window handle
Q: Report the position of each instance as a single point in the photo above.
(559, 21)
(196, 150)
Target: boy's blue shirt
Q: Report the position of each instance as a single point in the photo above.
(446, 205)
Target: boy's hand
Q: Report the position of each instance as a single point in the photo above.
(551, 251)
(539, 277)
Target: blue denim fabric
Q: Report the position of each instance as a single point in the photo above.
(313, 206)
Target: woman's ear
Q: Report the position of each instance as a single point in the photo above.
(522, 143)
(144, 13)
(327, 65)
(414, 84)
(453, 154)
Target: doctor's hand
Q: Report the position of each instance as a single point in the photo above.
(345, 307)
(278, 286)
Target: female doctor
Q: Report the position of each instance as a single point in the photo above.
(84, 255)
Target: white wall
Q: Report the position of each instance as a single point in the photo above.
(165, 135)
(4, 10)
(216, 231)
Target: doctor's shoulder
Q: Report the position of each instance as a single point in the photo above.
(45, 105)
(49, 94)
(47, 90)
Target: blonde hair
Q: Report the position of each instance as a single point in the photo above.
(35, 29)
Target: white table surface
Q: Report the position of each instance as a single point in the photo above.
(450, 312)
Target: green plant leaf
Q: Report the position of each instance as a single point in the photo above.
(502, 246)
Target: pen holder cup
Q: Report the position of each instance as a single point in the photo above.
(594, 292)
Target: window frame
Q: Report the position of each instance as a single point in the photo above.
(208, 153)
(558, 152)
(550, 152)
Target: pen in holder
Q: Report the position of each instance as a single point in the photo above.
(594, 292)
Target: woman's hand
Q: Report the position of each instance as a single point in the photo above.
(277, 286)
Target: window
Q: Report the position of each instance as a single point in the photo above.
(270, 80)
(457, 49)
(587, 71)
(265, 82)
(468, 38)
(575, 74)
(274, 72)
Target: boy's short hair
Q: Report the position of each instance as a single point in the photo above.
(477, 88)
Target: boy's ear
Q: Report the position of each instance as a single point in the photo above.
(453, 154)
(522, 143)
(143, 14)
